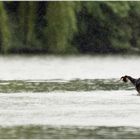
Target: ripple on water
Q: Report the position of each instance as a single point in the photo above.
(65, 132)
(94, 108)
(14, 86)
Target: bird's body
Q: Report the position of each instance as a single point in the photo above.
(138, 85)
(135, 82)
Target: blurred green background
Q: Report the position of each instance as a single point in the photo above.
(61, 27)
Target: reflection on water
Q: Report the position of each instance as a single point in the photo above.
(62, 132)
(14, 86)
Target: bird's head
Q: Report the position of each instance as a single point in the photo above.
(124, 79)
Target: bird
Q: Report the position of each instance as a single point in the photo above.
(135, 82)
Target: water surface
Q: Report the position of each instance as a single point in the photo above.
(68, 97)
(67, 68)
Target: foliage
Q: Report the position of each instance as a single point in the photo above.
(70, 27)
(61, 26)
(5, 33)
(105, 27)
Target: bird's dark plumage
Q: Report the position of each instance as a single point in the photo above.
(135, 82)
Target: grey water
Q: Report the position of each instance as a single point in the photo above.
(68, 97)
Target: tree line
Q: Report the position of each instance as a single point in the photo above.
(71, 27)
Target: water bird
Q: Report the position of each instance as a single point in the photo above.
(135, 82)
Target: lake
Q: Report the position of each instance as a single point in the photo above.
(68, 97)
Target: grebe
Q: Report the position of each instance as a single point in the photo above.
(135, 82)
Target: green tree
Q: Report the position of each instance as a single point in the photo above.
(103, 27)
(67, 27)
(5, 32)
(27, 21)
(31, 22)
(61, 26)
(133, 21)
(120, 30)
